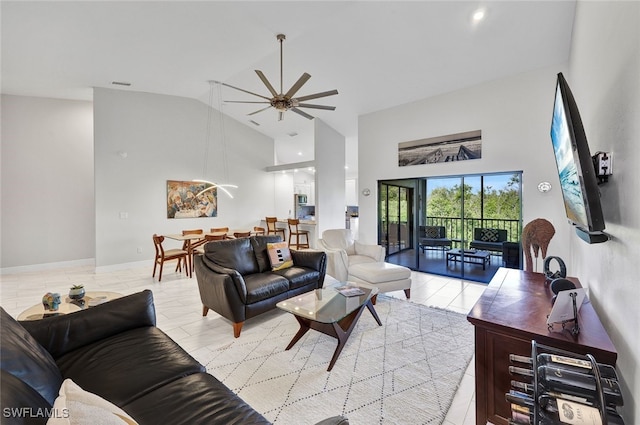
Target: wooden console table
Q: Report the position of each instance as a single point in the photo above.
(511, 312)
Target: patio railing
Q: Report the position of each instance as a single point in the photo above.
(454, 226)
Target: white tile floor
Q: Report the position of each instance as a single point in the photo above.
(179, 311)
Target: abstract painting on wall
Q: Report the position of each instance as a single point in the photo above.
(188, 199)
(453, 147)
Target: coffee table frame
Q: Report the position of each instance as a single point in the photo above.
(481, 258)
(340, 329)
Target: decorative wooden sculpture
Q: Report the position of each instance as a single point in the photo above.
(536, 236)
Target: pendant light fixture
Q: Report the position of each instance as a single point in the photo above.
(223, 143)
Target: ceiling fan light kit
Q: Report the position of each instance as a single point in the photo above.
(282, 101)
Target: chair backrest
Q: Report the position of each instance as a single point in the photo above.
(157, 243)
(259, 230)
(489, 235)
(241, 234)
(271, 223)
(192, 232)
(293, 224)
(433, 232)
(219, 230)
(339, 239)
(218, 237)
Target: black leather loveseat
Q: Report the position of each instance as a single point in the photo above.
(115, 351)
(236, 280)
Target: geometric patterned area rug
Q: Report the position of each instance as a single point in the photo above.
(404, 372)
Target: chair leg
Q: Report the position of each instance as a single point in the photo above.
(160, 274)
(374, 299)
(205, 310)
(237, 327)
(155, 264)
(407, 292)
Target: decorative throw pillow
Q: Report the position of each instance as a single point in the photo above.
(433, 232)
(279, 255)
(75, 406)
(489, 235)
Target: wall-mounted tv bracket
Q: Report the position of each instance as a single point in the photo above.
(603, 165)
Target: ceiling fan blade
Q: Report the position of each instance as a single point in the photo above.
(303, 79)
(317, 95)
(244, 101)
(260, 110)
(304, 114)
(266, 83)
(309, 105)
(280, 115)
(246, 91)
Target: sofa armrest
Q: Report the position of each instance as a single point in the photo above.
(61, 334)
(228, 279)
(374, 251)
(335, 420)
(315, 260)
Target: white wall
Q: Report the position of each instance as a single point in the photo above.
(604, 76)
(47, 202)
(514, 115)
(164, 137)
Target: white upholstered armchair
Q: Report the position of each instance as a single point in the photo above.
(343, 251)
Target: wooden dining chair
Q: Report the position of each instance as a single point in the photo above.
(272, 229)
(219, 230)
(241, 234)
(191, 245)
(163, 256)
(259, 230)
(209, 238)
(294, 231)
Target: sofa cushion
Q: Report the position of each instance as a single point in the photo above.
(263, 286)
(279, 256)
(18, 397)
(198, 399)
(146, 358)
(358, 259)
(299, 276)
(236, 254)
(22, 356)
(83, 407)
(259, 244)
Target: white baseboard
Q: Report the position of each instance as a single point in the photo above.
(76, 263)
(47, 266)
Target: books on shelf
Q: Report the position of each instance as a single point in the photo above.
(350, 291)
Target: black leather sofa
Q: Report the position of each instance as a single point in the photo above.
(113, 350)
(236, 281)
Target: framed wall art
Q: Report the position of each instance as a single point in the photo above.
(453, 147)
(188, 199)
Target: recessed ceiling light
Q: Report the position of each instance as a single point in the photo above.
(120, 83)
(292, 134)
(254, 123)
(299, 153)
(478, 15)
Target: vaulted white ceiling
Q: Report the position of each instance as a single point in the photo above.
(377, 54)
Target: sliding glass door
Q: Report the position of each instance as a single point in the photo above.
(443, 217)
(396, 217)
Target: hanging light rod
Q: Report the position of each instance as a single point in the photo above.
(213, 186)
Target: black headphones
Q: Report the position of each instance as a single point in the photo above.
(560, 284)
(562, 273)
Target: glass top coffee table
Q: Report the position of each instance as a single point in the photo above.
(90, 299)
(330, 312)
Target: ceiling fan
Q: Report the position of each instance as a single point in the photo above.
(285, 101)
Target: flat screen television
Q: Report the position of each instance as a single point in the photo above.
(577, 174)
